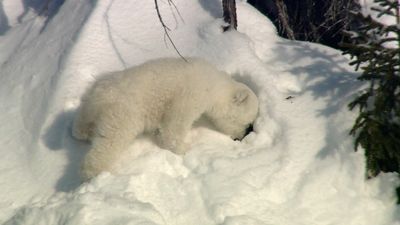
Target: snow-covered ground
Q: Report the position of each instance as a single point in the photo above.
(298, 167)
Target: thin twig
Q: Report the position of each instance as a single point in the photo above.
(172, 4)
(166, 30)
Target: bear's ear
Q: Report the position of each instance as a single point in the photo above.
(240, 96)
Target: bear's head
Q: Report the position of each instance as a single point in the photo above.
(234, 111)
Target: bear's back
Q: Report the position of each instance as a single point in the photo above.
(160, 80)
(168, 76)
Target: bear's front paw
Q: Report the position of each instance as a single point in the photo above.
(181, 149)
(174, 146)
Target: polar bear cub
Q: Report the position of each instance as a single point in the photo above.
(163, 96)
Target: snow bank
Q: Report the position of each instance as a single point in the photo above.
(297, 168)
(32, 56)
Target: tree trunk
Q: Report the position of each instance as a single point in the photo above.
(284, 19)
(229, 9)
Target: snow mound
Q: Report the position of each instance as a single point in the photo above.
(298, 167)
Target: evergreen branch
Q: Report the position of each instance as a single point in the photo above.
(166, 30)
(383, 12)
(377, 127)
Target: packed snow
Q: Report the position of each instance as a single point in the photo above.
(297, 168)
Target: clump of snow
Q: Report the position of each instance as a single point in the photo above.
(298, 167)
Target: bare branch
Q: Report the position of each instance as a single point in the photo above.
(166, 29)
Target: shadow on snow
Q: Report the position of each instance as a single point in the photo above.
(58, 138)
(327, 77)
(47, 9)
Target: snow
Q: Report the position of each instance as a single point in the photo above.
(298, 167)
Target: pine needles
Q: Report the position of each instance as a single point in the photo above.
(375, 49)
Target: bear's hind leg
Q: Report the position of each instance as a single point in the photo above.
(82, 126)
(108, 142)
(104, 153)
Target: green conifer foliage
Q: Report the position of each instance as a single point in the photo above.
(375, 49)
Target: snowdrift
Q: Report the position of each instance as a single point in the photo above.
(298, 167)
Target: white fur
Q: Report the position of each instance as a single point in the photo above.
(164, 95)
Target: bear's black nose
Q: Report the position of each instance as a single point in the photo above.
(249, 129)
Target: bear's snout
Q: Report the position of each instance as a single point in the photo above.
(248, 130)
